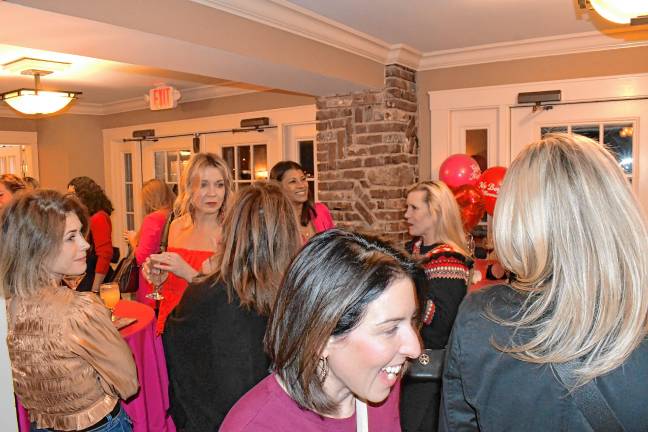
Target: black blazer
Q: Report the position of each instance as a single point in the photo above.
(486, 390)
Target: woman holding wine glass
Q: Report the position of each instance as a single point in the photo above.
(195, 233)
(70, 365)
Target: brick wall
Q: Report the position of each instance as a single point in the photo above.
(367, 154)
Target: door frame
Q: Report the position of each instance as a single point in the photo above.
(24, 138)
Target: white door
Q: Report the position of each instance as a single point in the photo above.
(622, 125)
(164, 159)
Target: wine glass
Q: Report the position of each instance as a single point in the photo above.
(73, 281)
(109, 293)
(157, 278)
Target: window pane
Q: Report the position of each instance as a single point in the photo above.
(172, 167)
(130, 221)
(590, 131)
(477, 146)
(550, 129)
(244, 163)
(129, 198)
(306, 157)
(185, 155)
(260, 162)
(618, 138)
(159, 166)
(228, 157)
(128, 167)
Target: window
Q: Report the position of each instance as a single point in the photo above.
(169, 165)
(307, 161)
(616, 136)
(247, 163)
(128, 191)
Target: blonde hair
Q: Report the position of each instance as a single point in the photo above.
(156, 195)
(444, 210)
(260, 238)
(568, 226)
(190, 179)
(31, 235)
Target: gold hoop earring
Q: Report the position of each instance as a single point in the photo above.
(322, 368)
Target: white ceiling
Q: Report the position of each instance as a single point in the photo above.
(435, 25)
(428, 26)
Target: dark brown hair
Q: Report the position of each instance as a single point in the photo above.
(260, 238)
(91, 195)
(325, 293)
(32, 229)
(308, 208)
(156, 195)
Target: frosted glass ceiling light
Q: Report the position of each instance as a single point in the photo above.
(621, 11)
(35, 101)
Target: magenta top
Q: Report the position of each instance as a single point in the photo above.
(150, 235)
(267, 407)
(323, 221)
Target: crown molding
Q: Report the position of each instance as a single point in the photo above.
(139, 103)
(536, 47)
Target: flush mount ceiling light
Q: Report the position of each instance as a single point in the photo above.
(36, 101)
(634, 12)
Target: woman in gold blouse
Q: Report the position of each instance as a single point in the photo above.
(70, 365)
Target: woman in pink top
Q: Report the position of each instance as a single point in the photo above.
(341, 331)
(194, 236)
(157, 202)
(313, 217)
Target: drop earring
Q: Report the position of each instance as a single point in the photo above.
(322, 368)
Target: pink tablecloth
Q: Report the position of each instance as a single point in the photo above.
(148, 407)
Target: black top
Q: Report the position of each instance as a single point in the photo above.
(484, 389)
(444, 282)
(214, 354)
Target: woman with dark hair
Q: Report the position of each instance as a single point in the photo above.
(213, 339)
(10, 185)
(312, 217)
(70, 365)
(99, 208)
(342, 328)
(205, 189)
(157, 202)
(564, 347)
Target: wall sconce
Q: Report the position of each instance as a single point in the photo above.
(36, 101)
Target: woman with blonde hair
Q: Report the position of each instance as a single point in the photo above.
(440, 245)
(194, 235)
(568, 336)
(70, 365)
(213, 340)
(157, 202)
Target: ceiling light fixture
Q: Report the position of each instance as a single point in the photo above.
(632, 12)
(36, 101)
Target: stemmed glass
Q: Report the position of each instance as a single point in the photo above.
(73, 281)
(157, 278)
(109, 293)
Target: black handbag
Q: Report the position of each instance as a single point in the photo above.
(428, 366)
(127, 273)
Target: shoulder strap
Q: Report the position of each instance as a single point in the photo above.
(164, 241)
(589, 400)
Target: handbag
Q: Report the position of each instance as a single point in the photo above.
(428, 366)
(127, 273)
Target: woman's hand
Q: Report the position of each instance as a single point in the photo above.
(131, 238)
(172, 262)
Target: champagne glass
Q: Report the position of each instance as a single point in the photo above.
(109, 293)
(157, 278)
(73, 281)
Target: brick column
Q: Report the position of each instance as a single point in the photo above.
(367, 153)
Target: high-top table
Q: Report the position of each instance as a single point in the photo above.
(148, 408)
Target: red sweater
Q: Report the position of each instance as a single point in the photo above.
(101, 229)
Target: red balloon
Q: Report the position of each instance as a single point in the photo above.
(489, 184)
(458, 170)
(471, 205)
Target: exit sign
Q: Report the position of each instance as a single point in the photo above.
(164, 97)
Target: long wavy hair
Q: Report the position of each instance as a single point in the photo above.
(156, 195)
(91, 195)
(31, 235)
(444, 210)
(308, 208)
(569, 227)
(260, 238)
(190, 180)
